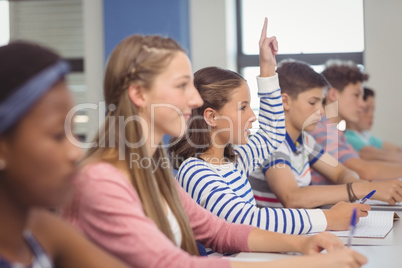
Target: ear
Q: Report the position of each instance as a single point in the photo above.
(138, 95)
(3, 153)
(287, 101)
(210, 117)
(332, 95)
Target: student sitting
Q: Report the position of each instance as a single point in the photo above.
(344, 101)
(359, 136)
(287, 171)
(214, 172)
(37, 161)
(126, 199)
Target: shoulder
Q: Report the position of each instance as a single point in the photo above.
(47, 229)
(309, 139)
(97, 174)
(99, 185)
(193, 164)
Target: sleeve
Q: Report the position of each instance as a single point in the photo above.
(112, 216)
(334, 142)
(315, 151)
(272, 127)
(213, 193)
(212, 231)
(376, 142)
(356, 142)
(280, 156)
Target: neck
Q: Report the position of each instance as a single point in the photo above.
(352, 126)
(153, 138)
(14, 218)
(216, 153)
(292, 131)
(335, 120)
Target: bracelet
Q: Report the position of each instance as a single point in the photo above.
(351, 194)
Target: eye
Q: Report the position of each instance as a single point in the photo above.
(182, 86)
(243, 107)
(59, 136)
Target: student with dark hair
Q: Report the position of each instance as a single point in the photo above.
(366, 144)
(283, 180)
(36, 163)
(344, 101)
(216, 155)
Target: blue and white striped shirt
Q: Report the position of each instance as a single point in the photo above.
(225, 190)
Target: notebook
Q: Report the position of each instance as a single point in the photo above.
(376, 225)
(380, 203)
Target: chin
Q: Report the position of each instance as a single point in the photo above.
(309, 127)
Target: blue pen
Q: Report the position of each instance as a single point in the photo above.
(367, 197)
(352, 226)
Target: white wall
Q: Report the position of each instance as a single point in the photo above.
(383, 60)
(212, 33)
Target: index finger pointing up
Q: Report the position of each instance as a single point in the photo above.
(264, 29)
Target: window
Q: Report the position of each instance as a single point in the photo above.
(313, 31)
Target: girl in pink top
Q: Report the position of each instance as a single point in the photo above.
(126, 199)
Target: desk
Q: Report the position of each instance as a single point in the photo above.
(388, 254)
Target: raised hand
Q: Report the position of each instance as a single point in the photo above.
(268, 50)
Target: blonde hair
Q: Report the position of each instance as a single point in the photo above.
(139, 59)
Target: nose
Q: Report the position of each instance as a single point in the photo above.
(253, 118)
(194, 100)
(321, 110)
(362, 104)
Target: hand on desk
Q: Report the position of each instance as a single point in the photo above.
(345, 257)
(389, 191)
(319, 242)
(338, 217)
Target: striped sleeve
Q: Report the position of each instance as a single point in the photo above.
(213, 193)
(272, 127)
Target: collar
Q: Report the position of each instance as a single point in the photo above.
(292, 145)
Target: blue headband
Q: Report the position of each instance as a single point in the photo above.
(14, 107)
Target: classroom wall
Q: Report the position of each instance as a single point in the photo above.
(126, 17)
(383, 60)
(383, 54)
(213, 33)
(211, 40)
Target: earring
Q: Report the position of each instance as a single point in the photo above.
(2, 164)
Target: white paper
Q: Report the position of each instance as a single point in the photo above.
(380, 203)
(377, 224)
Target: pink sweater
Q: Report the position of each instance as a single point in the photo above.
(107, 209)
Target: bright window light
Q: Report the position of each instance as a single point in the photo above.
(4, 23)
(308, 26)
(250, 74)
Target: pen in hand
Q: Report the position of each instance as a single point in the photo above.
(367, 197)
(352, 226)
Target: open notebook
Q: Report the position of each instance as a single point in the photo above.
(380, 203)
(376, 225)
